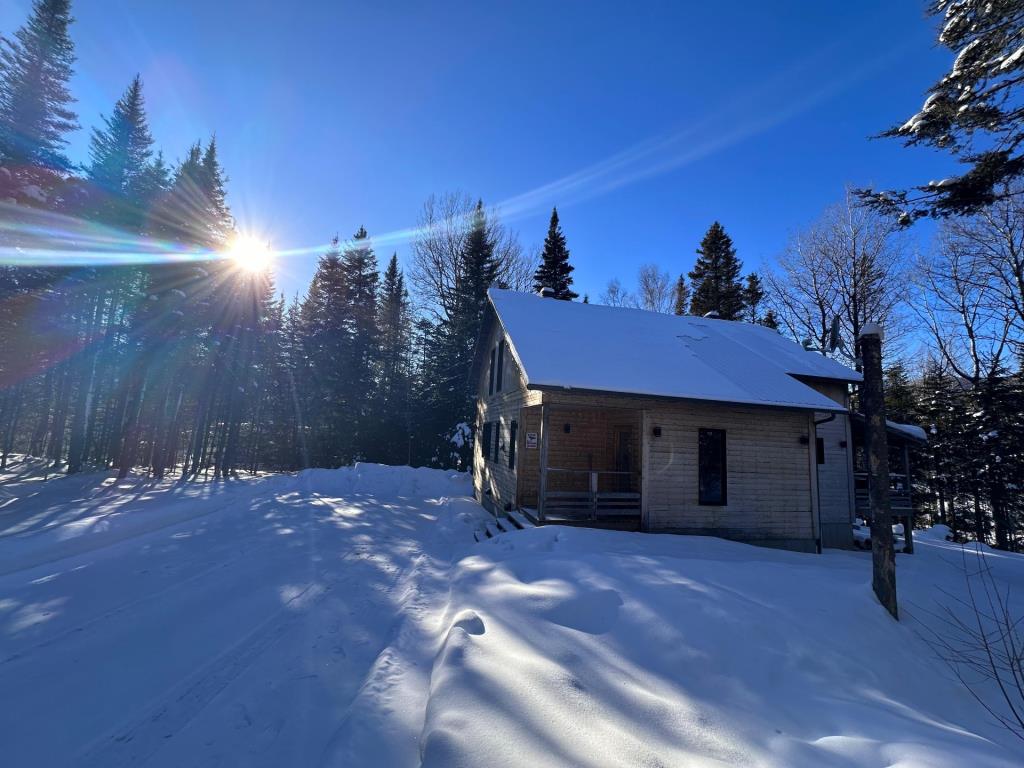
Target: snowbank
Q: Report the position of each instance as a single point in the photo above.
(577, 647)
(347, 618)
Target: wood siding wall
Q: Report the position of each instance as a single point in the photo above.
(493, 481)
(769, 491)
(835, 476)
(769, 468)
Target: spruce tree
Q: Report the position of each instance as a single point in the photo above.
(555, 271)
(681, 294)
(715, 278)
(325, 334)
(35, 104)
(359, 273)
(216, 217)
(120, 161)
(394, 386)
(753, 298)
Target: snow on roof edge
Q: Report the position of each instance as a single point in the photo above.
(737, 387)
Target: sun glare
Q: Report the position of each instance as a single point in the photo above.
(250, 253)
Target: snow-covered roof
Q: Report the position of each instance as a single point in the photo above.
(911, 430)
(614, 349)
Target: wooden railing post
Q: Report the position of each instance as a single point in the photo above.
(545, 430)
(593, 495)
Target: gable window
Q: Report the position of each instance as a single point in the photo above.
(819, 446)
(513, 433)
(501, 366)
(490, 375)
(711, 466)
(485, 440)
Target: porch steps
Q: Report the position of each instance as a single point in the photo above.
(519, 520)
(492, 530)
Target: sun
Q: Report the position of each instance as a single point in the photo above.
(250, 253)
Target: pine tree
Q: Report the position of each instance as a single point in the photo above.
(394, 386)
(359, 272)
(121, 165)
(972, 113)
(215, 216)
(715, 278)
(450, 344)
(35, 104)
(753, 298)
(555, 271)
(681, 294)
(900, 400)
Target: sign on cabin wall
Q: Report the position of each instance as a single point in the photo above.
(531, 439)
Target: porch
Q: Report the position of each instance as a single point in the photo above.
(901, 503)
(581, 465)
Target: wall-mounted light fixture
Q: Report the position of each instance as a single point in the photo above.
(656, 431)
(842, 443)
(804, 440)
(567, 428)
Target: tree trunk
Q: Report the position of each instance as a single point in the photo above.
(883, 554)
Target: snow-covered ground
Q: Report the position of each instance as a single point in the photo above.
(348, 618)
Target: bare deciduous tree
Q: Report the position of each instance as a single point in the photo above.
(437, 250)
(654, 289)
(993, 241)
(979, 637)
(957, 299)
(615, 295)
(848, 265)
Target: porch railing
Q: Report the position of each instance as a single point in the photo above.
(899, 495)
(585, 494)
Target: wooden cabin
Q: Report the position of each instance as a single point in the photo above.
(617, 417)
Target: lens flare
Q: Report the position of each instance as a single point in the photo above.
(250, 253)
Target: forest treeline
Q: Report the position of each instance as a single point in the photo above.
(167, 357)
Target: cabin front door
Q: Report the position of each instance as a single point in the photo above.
(623, 458)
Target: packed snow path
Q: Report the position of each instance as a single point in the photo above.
(347, 618)
(220, 623)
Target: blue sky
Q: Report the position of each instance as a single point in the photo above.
(643, 122)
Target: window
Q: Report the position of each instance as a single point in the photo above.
(485, 441)
(490, 375)
(501, 365)
(819, 445)
(513, 433)
(711, 466)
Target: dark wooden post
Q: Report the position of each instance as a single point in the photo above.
(545, 435)
(883, 555)
(908, 527)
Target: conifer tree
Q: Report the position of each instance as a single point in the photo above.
(325, 337)
(359, 273)
(900, 400)
(715, 278)
(394, 386)
(555, 271)
(681, 296)
(753, 298)
(35, 104)
(120, 161)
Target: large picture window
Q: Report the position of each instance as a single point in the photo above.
(711, 466)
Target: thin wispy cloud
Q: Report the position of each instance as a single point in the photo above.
(50, 239)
